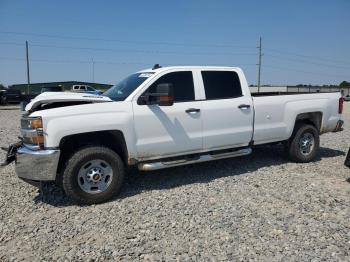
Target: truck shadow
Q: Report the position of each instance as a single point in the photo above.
(137, 182)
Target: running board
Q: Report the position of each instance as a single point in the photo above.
(203, 158)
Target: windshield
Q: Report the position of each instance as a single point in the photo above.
(124, 88)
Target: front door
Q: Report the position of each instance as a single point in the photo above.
(163, 131)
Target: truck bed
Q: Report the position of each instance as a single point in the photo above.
(256, 94)
(276, 113)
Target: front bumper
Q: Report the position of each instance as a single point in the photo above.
(39, 165)
(33, 163)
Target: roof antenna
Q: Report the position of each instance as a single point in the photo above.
(156, 66)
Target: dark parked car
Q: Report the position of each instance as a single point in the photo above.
(10, 96)
(52, 89)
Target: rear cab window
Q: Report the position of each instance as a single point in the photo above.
(221, 84)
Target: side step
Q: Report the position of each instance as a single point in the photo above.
(203, 158)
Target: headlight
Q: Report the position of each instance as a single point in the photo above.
(31, 123)
(36, 123)
(32, 130)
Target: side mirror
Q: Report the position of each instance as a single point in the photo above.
(164, 96)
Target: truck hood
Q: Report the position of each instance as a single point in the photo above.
(60, 99)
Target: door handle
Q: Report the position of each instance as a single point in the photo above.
(243, 106)
(192, 110)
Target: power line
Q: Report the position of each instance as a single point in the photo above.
(73, 61)
(305, 72)
(259, 65)
(125, 41)
(170, 44)
(141, 51)
(170, 52)
(128, 50)
(12, 43)
(93, 70)
(95, 62)
(306, 61)
(144, 63)
(307, 56)
(27, 59)
(277, 57)
(140, 63)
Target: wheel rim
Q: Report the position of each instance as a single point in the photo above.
(306, 143)
(95, 176)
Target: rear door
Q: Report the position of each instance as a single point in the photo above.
(227, 112)
(163, 131)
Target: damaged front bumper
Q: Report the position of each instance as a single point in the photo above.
(33, 163)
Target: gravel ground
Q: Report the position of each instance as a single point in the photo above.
(259, 207)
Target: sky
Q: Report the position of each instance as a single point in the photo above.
(303, 42)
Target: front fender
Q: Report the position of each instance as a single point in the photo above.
(72, 120)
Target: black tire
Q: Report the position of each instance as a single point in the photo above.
(294, 149)
(82, 157)
(3, 101)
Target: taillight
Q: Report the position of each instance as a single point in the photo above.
(341, 105)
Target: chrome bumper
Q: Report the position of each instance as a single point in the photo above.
(40, 165)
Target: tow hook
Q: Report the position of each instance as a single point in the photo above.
(11, 153)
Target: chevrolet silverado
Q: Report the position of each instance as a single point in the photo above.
(159, 118)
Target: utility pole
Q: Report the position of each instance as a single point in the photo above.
(259, 65)
(93, 70)
(28, 78)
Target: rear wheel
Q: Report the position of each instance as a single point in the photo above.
(93, 175)
(304, 144)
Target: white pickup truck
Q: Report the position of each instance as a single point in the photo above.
(159, 118)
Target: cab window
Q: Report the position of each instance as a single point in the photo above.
(182, 83)
(221, 84)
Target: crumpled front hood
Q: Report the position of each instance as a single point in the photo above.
(67, 98)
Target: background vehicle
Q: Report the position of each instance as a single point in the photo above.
(2, 97)
(159, 118)
(11, 96)
(86, 89)
(52, 89)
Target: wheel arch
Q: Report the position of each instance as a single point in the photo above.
(113, 139)
(311, 118)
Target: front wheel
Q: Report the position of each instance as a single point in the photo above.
(93, 175)
(304, 144)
